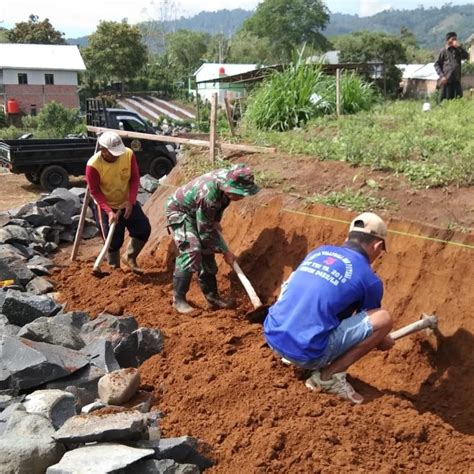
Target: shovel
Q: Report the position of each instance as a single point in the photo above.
(96, 269)
(252, 294)
(426, 322)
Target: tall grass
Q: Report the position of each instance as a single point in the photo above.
(283, 101)
(291, 98)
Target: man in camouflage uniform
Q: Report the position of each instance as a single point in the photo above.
(194, 213)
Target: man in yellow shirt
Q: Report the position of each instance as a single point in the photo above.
(113, 178)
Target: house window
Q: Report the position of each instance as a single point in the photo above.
(22, 78)
(49, 79)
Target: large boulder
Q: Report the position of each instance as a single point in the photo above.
(35, 214)
(98, 459)
(101, 354)
(122, 426)
(21, 308)
(73, 319)
(14, 233)
(40, 286)
(163, 466)
(56, 405)
(27, 364)
(27, 445)
(52, 332)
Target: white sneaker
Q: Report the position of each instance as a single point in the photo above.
(337, 385)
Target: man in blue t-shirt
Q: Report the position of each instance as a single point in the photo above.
(329, 312)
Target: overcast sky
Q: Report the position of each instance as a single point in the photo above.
(79, 18)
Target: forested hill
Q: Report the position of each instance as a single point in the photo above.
(428, 24)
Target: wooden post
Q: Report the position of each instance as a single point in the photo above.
(212, 130)
(80, 226)
(198, 113)
(228, 112)
(338, 92)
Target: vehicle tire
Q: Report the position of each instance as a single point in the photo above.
(54, 177)
(160, 166)
(33, 178)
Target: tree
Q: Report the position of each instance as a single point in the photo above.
(186, 50)
(290, 23)
(115, 50)
(414, 53)
(218, 49)
(368, 46)
(248, 48)
(36, 32)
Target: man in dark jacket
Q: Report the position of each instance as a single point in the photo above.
(448, 67)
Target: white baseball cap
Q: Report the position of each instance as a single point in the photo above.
(369, 223)
(112, 142)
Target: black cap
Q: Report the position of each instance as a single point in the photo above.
(451, 34)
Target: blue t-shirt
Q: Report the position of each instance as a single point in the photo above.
(329, 285)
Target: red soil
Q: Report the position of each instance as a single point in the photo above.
(216, 380)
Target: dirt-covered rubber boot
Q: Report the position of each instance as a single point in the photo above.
(113, 258)
(208, 284)
(130, 256)
(181, 283)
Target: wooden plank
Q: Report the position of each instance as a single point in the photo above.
(185, 141)
(229, 115)
(212, 128)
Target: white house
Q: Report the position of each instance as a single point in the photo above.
(209, 71)
(31, 75)
(418, 79)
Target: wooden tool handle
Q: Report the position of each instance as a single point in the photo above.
(82, 218)
(426, 322)
(247, 285)
(80, 226)
(106, 246)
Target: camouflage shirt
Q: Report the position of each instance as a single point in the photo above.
(202, 203)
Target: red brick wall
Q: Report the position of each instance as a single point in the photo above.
(26, 95)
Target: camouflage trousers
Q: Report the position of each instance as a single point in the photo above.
(192, 256)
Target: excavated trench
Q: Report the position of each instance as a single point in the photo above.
(216, 379)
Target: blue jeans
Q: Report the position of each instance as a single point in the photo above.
(348, 334)
(137, 224)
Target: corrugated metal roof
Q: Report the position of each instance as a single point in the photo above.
(209, 71)
(418, 71)
(41, 56)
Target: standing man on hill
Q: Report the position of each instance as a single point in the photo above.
(448, 67)
(329, 312)
(113, 178)
(194, 213)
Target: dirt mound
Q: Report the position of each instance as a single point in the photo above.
(217, 380)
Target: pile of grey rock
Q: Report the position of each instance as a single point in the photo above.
(69, 385)
(32, 232)
(43, 432)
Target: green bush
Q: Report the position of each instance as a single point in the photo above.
(3, 119)
(11, 133)
(60, 121)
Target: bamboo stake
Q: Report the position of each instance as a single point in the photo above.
(338, 92)
(229, 116)
(212, 129)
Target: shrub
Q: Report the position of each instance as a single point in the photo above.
(60, 121)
